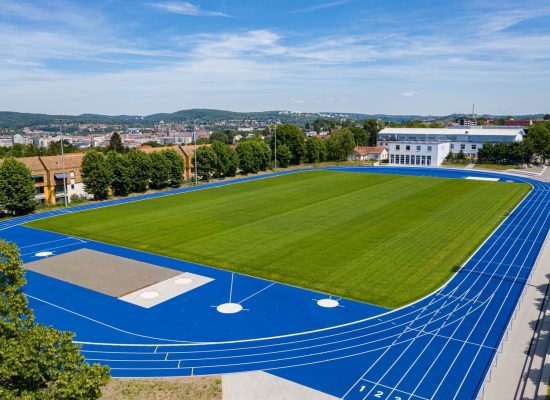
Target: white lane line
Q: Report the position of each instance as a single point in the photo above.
(404, 351)
(380, 356)
(231, 287)
(392, 389)
(494, 320)
(48, 242)
(93, 320)
(258, 292)
(523, 227)
(54, 248)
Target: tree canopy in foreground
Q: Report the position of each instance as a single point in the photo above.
(36, 361)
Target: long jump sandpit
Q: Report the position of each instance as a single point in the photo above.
(104, 273)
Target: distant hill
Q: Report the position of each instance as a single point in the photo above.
(15, 120)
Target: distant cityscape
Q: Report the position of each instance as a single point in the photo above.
(178, 128)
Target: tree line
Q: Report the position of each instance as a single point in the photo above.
(250, 156)
(130, 172)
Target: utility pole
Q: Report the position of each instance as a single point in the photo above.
(63, 167)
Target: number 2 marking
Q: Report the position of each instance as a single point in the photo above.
(379, 394)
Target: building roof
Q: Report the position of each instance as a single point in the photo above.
(71, 161)
(364, 150)
(455, 131)
(32, 163)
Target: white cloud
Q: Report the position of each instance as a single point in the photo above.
(321, 6)
(251, 43)
(409, 94)
(185, 8)
(296, 101)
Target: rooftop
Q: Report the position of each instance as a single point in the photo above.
(455, 131)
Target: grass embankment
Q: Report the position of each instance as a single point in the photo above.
(382, 239)
(196, 388)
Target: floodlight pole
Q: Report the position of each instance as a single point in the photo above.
(195, 151)
(275, 148)
(63, 167)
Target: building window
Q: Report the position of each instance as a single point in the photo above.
(423, 160)
(429, 160)
(417, 160)
(397, 147)
(407, 147)
(38, 178)
(452, 146)
(429, 148)
(407, 159)
(474, 147)
(462, 147)
(71, 174)
(72, 186)
(417, 148)
(392, 157)
(402, 159)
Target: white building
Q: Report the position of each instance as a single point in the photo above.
(418, 153)
(467, 139)
(362, 153)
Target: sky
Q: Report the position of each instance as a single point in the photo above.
(427, 57)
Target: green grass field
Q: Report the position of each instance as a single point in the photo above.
(382, 239)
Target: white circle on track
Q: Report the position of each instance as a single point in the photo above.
(149, 295)
(44, 254)
(328, 303)
(183, 281)
(229, 308)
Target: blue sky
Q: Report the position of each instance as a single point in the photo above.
(395, 57)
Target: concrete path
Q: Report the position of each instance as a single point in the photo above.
(259, 385)
(522, 370)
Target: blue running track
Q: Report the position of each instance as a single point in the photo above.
(440, 347)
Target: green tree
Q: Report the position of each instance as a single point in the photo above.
(294, 139)
(121, 182)
(222, 136)
(176, 167)
(96, 174)
(17, 191)
(152, 143)
(539, 140)
(227, 160)
(160, 170)
(140, 170)
(222, 158)
(207, 162)
(372, 128)
(340, 145)
(233, 162)
(360, 136)
(115, 143)
(247, 159)
(54, 148)
(262, 153)
(38, 362)
(316, 150)
(284, 156)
